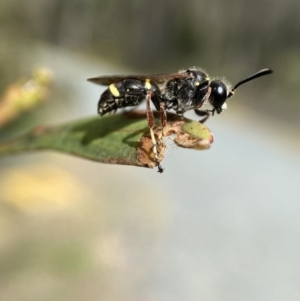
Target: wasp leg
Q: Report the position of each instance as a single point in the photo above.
(160, 105)
(206, 114)
(150, 119)
(163, 118)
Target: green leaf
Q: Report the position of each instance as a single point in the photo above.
(116, 139)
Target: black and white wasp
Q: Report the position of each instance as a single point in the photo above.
(181, 91)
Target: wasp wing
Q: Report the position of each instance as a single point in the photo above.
(159, 78)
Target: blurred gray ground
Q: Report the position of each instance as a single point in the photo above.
(217, 225)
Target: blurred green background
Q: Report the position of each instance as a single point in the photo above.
(216, 225)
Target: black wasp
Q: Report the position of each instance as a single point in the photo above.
(181, 92)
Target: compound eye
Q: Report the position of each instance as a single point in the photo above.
(218, 94)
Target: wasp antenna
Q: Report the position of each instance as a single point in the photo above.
(251, 77)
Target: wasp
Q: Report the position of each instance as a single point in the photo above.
(181, 91)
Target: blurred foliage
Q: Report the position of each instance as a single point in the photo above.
(162, 32)
(24, 95)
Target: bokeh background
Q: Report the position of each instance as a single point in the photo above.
(222, 224)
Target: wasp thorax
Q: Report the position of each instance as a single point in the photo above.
(218, 95)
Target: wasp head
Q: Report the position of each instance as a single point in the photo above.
(218, 96)
(219, 92)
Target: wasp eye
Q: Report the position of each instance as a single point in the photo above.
(218, 95)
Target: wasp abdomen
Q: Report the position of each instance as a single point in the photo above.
(127, 93)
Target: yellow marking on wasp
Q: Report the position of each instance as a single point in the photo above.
(114, 90)
(147, 83)
(197, 83)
